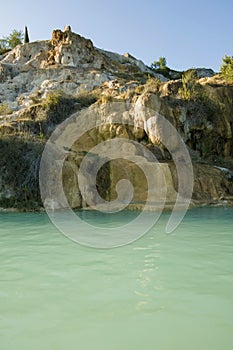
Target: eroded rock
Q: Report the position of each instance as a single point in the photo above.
(72, 65)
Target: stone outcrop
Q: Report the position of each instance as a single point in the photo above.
(44, 82)
(70, 49)
(68, 62)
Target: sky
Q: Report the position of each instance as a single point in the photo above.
(188, 33)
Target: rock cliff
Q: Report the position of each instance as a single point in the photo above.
(44, 83)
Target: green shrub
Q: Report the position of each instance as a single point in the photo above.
(19, 164)
(5, 109)
(193, 91)
(160, 64)
(3, 46)
(161, 67)
(152, 84)
(227, 68)
(53, 98)
(15, 38)
(190, 86)
(9, 42)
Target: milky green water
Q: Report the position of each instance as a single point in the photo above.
(162, 292)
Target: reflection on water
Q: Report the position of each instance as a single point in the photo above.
(147, 280)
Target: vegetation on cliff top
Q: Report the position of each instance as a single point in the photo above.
(161, 67)
(227, 68)
(12, 40)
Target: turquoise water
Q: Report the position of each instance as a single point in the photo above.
(161, 292)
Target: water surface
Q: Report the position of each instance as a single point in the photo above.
(161, 292)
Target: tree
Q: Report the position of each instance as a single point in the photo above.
(15, 38)
(26, 36)
(3, 46)
(227, 68)
(160, 64)
(9, 42)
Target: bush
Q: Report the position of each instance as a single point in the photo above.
(5, 109)
(52, 99)
(19, 164)
(227, 68)
(11, 41)
(51, 111)
(152, 85)
(193, 91)
(3, 46)
(161, 67)
(160, 64)
(55, 98)
(15, 38)
(190, 86)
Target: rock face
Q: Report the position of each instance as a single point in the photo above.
(67, 62)
(70, 49)
(45, 82)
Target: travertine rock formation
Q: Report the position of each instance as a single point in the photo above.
(43, 83)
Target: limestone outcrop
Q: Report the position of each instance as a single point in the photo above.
(43, 83)
(67, 59)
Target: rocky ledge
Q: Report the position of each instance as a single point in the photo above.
(44, 83)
